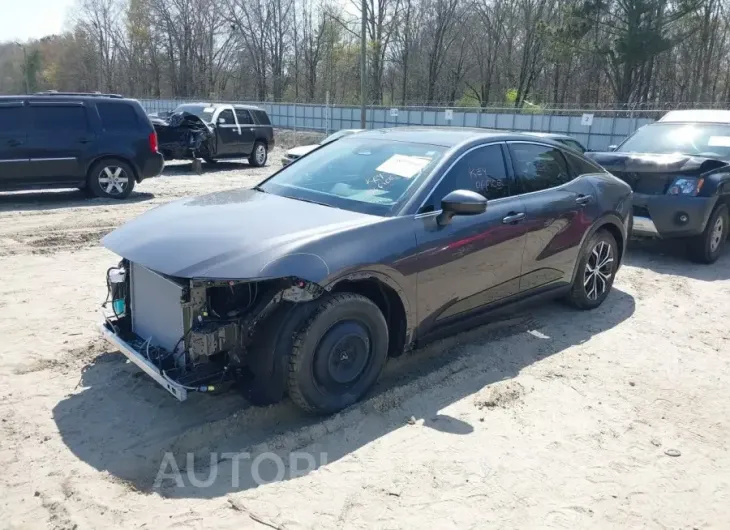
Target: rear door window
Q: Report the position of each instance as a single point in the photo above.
(117, 116)
(58, 118)
(538, 167)
(244, 117)
(581, 166)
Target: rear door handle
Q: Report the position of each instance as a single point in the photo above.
(583, 199)
(84, 140)
(14, 143)
(513, 218)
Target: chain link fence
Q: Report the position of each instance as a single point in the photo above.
(595, 127)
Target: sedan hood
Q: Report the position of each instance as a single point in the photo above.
(302, 150)
(237, 234)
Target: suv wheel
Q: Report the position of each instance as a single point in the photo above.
(111, 179)
(596, 272)
(338, 354)
(259, 156)
(708, 246)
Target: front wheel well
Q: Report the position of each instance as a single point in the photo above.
(389, 303)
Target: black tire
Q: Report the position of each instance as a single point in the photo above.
(708, 246)
(259, 155)
(110, 179)
(338, 354)
(590, 288)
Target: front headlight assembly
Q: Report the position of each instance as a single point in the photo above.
(686, 186)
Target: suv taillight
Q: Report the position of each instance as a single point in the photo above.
(153, 141)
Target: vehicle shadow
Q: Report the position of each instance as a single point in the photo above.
(671, 257)
(123, 423)
(186, 169)
(55, 199)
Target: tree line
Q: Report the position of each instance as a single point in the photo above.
(521, 53)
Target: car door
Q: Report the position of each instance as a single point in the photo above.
(248, 131)
(13, 144)
(229, 143)
(59, 138)
(560, 208)
(473, 261)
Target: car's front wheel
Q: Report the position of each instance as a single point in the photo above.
(259, 155)
(596, 271)
(111, 179)
(338, 354)
(708, 246)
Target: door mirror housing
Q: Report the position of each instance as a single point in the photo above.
(461, 202)
(221, 120)
(612, 147)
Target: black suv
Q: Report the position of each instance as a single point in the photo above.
(229, 131)
(102, 143)
(679, 169)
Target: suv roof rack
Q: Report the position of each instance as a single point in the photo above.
(86, 94)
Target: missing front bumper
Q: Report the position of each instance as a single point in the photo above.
(177, 390)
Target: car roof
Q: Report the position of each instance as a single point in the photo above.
(442, 136)
(61, 97)
(216, 105)
(550, 135)
(696, 116)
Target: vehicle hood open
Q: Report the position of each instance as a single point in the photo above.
(653, 173)
(236, 234)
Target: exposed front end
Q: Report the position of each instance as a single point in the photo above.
(187, 334)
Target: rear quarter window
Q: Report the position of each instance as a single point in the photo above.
(261, 117)
(117, 116)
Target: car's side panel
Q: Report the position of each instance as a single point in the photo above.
(58, 148)
(14, 157)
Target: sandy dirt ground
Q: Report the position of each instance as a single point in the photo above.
(616, 418)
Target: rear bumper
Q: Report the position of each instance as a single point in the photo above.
(139, 359)
(152, 166)
(670, 216)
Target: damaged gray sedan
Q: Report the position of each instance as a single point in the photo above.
(369, 246)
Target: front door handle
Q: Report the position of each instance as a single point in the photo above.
(583, 199)
(14, 143)
(84, 140)
(513, 218)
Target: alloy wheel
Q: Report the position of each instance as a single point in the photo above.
(598, 270)
(260, 154)
(113, 180)
(717, 232)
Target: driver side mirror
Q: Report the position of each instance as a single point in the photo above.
(612, 147)
(461, 202)
(221, 120)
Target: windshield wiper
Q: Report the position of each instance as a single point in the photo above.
(309, 200)
(259, 188)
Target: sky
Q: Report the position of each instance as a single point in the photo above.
(32, 19)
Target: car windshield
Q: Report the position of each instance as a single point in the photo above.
(360, 174)
(335, 136)
(201, 111)
(710, 140)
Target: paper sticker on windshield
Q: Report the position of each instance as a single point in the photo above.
(208, 109)
(719, 141)
(404, 166)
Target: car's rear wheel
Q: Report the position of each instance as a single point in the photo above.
(708, 246)
(338, 354)
(111, 179)
(259, 155)
(596, 271)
